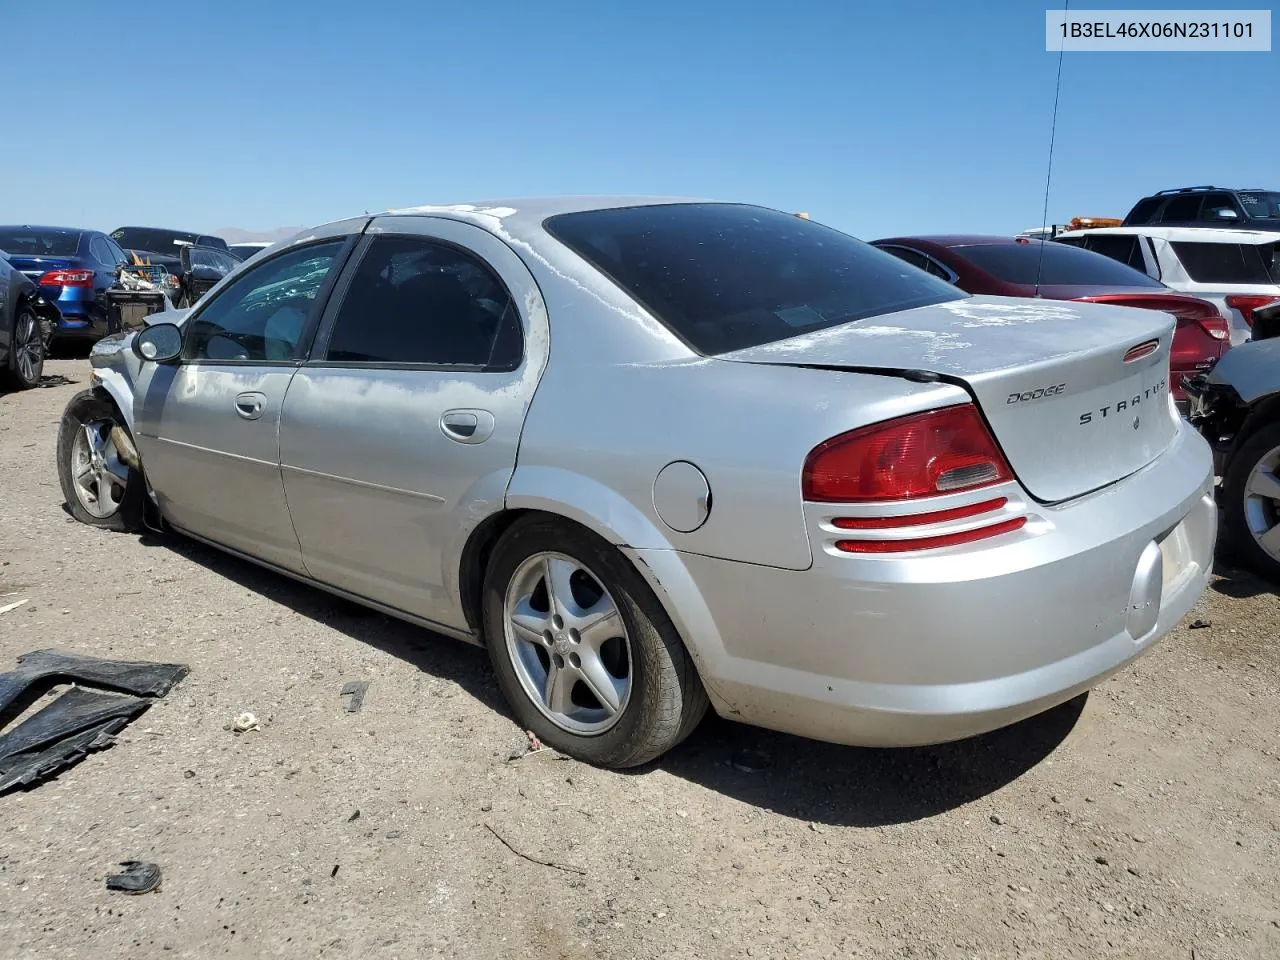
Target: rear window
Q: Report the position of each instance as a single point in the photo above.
(1063, 265)
(30, 242)
(1261, 205)
(153, 240)
(1230, 262)
(725, 277)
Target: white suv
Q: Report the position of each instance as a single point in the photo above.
(1238, 270)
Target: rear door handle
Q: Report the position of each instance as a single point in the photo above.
(467, 426)
(249, 405)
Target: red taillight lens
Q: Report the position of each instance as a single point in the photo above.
(931, 543)
(1246, 303)
(67, 278)
(922, 455)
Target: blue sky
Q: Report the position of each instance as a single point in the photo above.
(877, 118)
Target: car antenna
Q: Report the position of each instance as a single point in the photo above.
(1053, 129)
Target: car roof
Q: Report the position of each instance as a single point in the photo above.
(521, 218)
(38, 226)
(959, 239)
(1187, 234)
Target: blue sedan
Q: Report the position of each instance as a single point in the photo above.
(73, 268)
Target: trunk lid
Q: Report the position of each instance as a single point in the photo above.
(36, 267)
(1071, 414)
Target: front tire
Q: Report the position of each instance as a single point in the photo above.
(585, 654)
(99, 489)
(26, 352)
(1251, 491)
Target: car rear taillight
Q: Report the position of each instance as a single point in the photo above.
(1246, 303)
(921, 455)
(67, 278)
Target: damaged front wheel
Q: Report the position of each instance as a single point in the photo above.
(100, 488)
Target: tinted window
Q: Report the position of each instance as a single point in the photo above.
(1229, 262)
(262, 315)
(245, 250)
(1143, 212)
(216, 242)
(208, 263)
(37, 242)
(724, 276)
(938, 270)
(1062, 266)
(913, 257)
(1219, 208)
(1261, 205)
(1181, 209)
(1122, 249)
(414, 300)
(155, 241)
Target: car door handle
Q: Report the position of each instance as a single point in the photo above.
(467, 426)
(249, 405)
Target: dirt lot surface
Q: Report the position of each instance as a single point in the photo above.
(1142, 823)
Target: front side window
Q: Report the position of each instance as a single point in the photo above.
(725, 277)
(261, 317)
(1219, 208)
(418, 301)
(1052, 264)
(1246, 263)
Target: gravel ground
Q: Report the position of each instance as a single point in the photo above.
(1139, 823)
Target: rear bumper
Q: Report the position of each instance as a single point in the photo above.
(899, 652)
(82, 316)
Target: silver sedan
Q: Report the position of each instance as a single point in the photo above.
(660, 454)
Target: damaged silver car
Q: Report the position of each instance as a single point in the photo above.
(658, 455)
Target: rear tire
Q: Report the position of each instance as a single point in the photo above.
(25, 365)
(99, 489)
(585, 654)
(1251, 494)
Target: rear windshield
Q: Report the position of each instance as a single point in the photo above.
(1063, 265)
(725, 277)
(1261, 205)
(1230, 262)
(36, 242)
(155, 241)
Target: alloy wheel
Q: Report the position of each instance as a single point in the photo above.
(1262, 503)
(568, 643)
(99, 476)
(28, 346)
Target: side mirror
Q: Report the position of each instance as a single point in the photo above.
(160, 343)
(1226, 213)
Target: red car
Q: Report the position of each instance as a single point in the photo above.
(1008, 266)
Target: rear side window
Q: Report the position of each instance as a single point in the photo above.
(724, 277)
(1143, 212)
(1062, 266)
(34, 242)
(1181, 209)
(908, 255)
(1122, 249)
(1229, 262)
(418, 301)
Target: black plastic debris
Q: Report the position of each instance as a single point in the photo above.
(355, 689)
(138, 876)
(77, 722)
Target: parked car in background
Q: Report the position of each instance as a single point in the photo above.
(74, 268)
(1237, 270)
(933, 514)
(1009, 267)
(164, 248)
(247, 249)
(1253, 209)
(1237, 408)
(27, 321)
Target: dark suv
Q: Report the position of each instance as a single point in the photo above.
(1208, 207)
